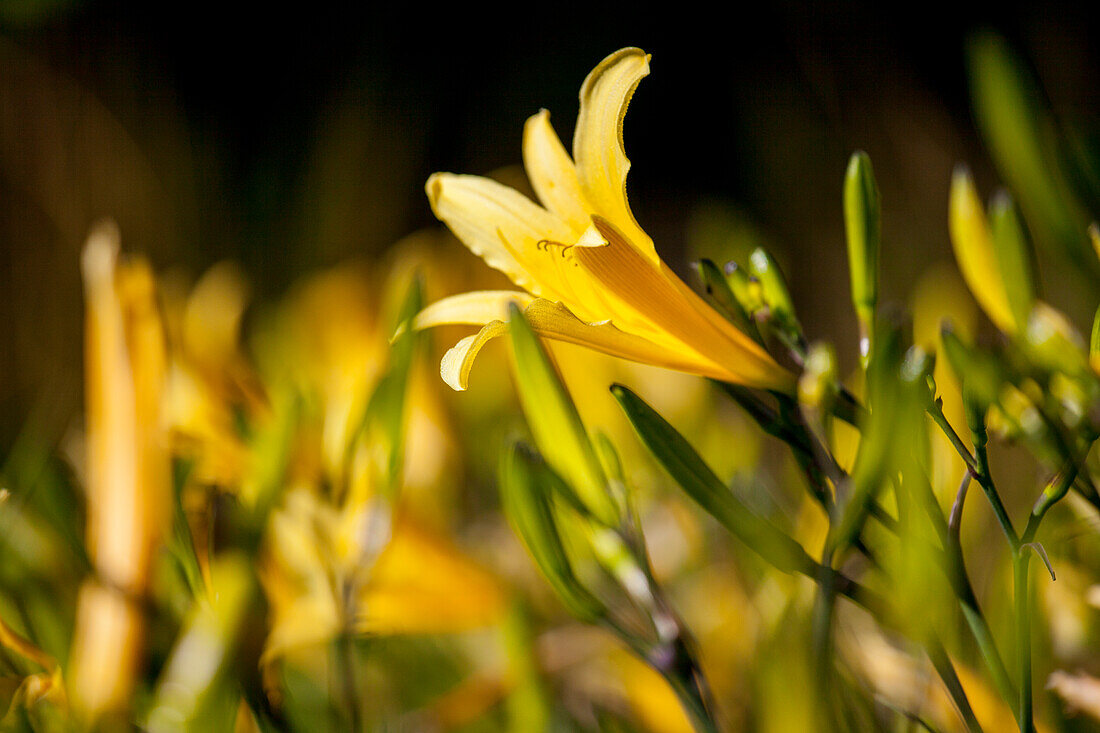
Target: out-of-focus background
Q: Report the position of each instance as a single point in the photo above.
(271, 167)
(295, 139)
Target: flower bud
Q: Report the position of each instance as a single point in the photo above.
(863, 226)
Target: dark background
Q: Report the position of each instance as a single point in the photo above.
(287, 141)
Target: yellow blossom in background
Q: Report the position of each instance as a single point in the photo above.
(211, 383)
(972, 240)
(341, 558)
(940, 296)
(592, 275)
(357, 569)
(127, 473)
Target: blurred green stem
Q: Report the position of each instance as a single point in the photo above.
(671, 654)
(1053, 492)
(978, 465)
(1023, 639)
(955, 569)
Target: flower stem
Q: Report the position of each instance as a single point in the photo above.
(1023, 640)
(978, 465)
(955, 569)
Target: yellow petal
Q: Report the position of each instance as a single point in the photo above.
(500, 225)
(598, 151)
(555, 321)
(475, 308)
(659, 295)
(973, 243)
(515, 235)
(422, 583)
(552, 174)
(459, 359)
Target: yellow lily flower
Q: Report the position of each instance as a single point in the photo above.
(592, 275)
(128, 472)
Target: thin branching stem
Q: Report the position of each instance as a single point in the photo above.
(954, 522)
(978, 465)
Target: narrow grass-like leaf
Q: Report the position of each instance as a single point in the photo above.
(696, 478)
(383, 424)
(191, 688)
(876, 446)
(1010, 242)
(555, 423)
(1094, 343)
(525, 487)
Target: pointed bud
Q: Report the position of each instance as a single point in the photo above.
(720, 293)
(745, 288)
(774, 285)
(817, 385)
(862, 224)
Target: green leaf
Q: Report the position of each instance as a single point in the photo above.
(696, 478)
(890, 400)
(555, 423)
(190, 694)
(1094, 342)
(978, 371)
(383, 423)
(863, 226)
(526, 484)
(1010, 244)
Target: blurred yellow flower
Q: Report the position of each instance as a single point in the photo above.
(333, 570)
(592, 275)
(972, 240)
(127, 473)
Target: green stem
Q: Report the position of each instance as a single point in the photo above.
(672, 655)
(955, 569)
(935, 411)
(1053, 492)
(978, 465)
(693, 696)
(1023, 640)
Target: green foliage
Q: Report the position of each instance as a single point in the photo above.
(554, 421)
(527, 488)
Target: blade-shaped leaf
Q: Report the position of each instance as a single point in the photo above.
(696, 478)
(383, 423)
(526, 484)
(555, 423)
